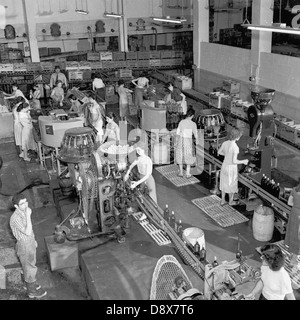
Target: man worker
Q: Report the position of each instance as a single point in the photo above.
(56, 76)
(21, 226)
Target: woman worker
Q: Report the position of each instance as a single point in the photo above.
(140, 84)
(184, 143)
(28, 142)
(275, 282)
(229, 170)
(144, 166)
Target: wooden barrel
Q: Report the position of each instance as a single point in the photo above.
(263, 223)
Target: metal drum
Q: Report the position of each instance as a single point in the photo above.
(213, 123)
(77, 145)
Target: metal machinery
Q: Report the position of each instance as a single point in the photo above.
(98, 179)
(262, 130)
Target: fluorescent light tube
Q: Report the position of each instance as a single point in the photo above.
(81, 11)
(179, 21)
(114, 15)
(274, 29)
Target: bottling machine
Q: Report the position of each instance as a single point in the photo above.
(262, 132)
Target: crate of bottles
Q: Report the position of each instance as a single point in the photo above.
(118, 56)
(131, 55)
(154, 54)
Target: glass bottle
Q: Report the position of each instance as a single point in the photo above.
(215, 262)
(166, 213)
(179, 228)
(172, 220)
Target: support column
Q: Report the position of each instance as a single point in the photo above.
(200, 34)
(29, 6)
(262, 14)
(123, 26)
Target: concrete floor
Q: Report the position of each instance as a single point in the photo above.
(119, 277)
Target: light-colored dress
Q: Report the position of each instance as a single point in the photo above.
(184, 147)
(292, 236)
(145, 167)
(229, 171)
(111, 130)
(96, 121)
(28, 142)
(35, 102)
(17, 127)
(123, 100)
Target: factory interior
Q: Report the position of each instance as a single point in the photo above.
(126, 201)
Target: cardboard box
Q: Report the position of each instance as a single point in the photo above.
(231, 86)
(63, 255)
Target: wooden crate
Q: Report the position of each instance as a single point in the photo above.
(131, 63)
(143, 55)
(154, 63)
(105, 55)
(93, 56)
(117, 56)
(131, 55)
(143, 63)
(166, 54)
(154, 54)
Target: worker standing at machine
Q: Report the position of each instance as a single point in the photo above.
(112, 130)
(177, 96)
(144, 166)
(140, 84)
(229, 170)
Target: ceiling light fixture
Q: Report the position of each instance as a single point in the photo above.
(113, 15)
(82, 11)
(169, 19)
(288, 30)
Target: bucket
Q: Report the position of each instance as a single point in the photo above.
(263, 223)
(193, 235)
(160, 153)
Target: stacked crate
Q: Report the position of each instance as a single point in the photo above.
(119, 59)
(131, 59)
(143, 59)
(154, 59)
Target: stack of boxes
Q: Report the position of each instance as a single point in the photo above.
(288, 129)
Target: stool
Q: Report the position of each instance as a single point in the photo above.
(193, 235)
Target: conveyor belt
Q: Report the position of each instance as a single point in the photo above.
(255, 187)
(155, 214)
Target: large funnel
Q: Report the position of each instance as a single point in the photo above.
(261, 96)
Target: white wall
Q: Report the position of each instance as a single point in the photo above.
(278, 72)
